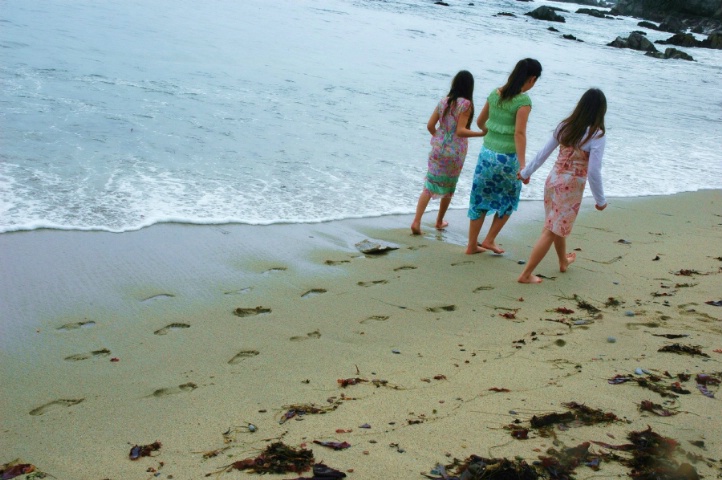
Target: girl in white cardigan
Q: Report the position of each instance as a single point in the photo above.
(581, 139)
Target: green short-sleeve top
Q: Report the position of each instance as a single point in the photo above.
(502, 121)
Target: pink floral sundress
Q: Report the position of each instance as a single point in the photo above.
(563, 190)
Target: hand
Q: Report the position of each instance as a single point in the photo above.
(525, 181)
(601, 208)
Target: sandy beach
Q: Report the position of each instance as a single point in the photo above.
(206, 338)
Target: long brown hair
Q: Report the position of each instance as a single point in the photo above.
(462, 86)
(523, 70)
(589, 113)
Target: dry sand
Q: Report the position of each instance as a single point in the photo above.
(433, 326)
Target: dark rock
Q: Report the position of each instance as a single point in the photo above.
(374, 248)
(639, 32)
(594, 12)
(672, 25)
(698, 29)
(660, 9)
(524, 0)
(552, 29)
(546, 13)
(635, 41)
(672, 53)
(681, 40)
(566, 36)
(648, 25)
(713, 40)
(441, 3)
(505, 14)
(593, 3)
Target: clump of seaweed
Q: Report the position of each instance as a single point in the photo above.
(584, 305)
(275, 458)
(683, 349)
(300, 409)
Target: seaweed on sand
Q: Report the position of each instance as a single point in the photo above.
(300, 409)
(683, 349)
(275, 458)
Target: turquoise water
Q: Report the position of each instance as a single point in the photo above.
(119, 115)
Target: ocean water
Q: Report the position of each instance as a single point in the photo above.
(118, 115)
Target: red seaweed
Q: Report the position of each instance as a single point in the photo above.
(655, 408)
(12, 470)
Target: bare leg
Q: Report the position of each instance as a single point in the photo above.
(443, 207)
(565, 259)
(496, 226)
(474, 230)
(541, 247)
(420, 209)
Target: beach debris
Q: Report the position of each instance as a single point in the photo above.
(624, 242)
(345, 382)
(300, 409)
(509, 315)
(497, 389)
(333, 445)
(655, 408)
(652, 382)
(214, 453)
(703, 380)
(15, 469)
(323, 472)
(683, 349)
(714, 303)
(629, 313)
(369, 247)
(612, 302)
(396, 351)
(247, 312)
(275, 458)
(584, 305)
(611, 339)
(564, 310)
(138, 451)
(229, 435)
(671, 336)
(652, 457)
(656, 258)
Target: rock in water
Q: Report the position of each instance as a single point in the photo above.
(374, 248)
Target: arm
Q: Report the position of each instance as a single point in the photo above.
(540, 158)
(462, 131)
(522, 116)
(483, 117)
(433, 120)
(594, 175)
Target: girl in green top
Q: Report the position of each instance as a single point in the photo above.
(496, 188)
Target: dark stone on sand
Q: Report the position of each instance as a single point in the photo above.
(441, 3)
(567, 36)
(594, 13)
(505, 14)
(681, 40)
(548, 14)
(649, 25)
(552, 29)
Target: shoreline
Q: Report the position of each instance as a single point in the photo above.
(161, 300)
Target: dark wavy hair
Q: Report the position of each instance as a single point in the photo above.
(589, 113)
(523, 70)
(462, 86)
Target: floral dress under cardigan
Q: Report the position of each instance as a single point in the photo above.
(448, 151)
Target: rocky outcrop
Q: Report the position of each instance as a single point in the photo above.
(593, 3)
(546, 13)
(594, 13)
(659, 10)
(635, 41)
(672, 53)
(713, 40)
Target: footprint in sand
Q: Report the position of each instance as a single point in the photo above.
(249, 312)
(55, 404)
(405, 267)
(313, 292)
(312, 335)
(483, 288)
(170, 327)
(163, 392)
(465, 262)
(160, 296)
(445, 308)
(242, 355)
(375, 318)
(336, 262)
(274, 270)
(76, 325)
(372, 283)
(84, 356)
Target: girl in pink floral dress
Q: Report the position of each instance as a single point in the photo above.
(449, 143)
(581, 140)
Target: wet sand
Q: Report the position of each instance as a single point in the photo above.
(179, 334)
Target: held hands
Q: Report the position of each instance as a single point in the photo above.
(600, 208)
(525, 181)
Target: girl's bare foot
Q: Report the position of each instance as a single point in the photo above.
(474, 249)
(416, 228)
(569, 260)
(492, 246)
(442, 225)
(529, 279)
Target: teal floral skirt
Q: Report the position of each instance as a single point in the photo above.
(495, 188)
